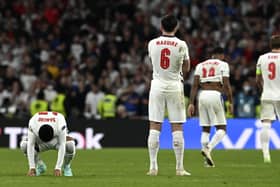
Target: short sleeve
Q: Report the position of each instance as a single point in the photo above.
(62, 123)
(225, 70)
(149, 48)
(197, 70)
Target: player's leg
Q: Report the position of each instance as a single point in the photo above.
(264, 139)
(156, 116)
(179, 147)
(204, 118)
(218, 117)
(177, 116)
(204, 139)
(40, 165)
(217, 137)
(69, 155)
(205, 124)
(205, 114)
(267, 115)
(153, 146)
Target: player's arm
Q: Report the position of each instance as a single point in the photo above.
(61, 153)
(186, 59)
(61, 147)
(31, 152)
(259, 79)
(228, 92)
(186, 66)
(194, 90)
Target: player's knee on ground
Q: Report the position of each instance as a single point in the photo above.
(178, 139)
(23, 145)
(70, 147)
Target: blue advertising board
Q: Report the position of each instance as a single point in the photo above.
(241, 134)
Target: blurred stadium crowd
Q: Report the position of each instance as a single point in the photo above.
(91, 50)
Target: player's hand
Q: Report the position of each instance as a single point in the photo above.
(31, 172)
(230, 108)
(57, 172)
(191, 110)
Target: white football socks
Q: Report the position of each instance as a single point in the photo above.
(218, 136)
(204, 139)
(153, 146)
(179, 146)
(264, 137)
(70, 152)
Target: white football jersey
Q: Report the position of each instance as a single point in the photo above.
(57, 121)
(212, 70)
(269, 66)
(167, 55)
(54, 119)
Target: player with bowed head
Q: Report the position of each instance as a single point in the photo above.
(268, 79)
(212, 77)
(168, 55)
(47, 131)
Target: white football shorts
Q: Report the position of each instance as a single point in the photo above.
(270, 109)
(211, 108)
(173, 101)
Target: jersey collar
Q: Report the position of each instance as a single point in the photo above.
(168, 36)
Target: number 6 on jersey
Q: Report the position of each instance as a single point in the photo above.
(164, 58)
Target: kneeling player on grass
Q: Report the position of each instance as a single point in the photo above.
(212, 76)
(47, 131)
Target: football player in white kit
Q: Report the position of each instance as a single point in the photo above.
(168, 54)
(46, 131)
(212, 77)
(268, 79)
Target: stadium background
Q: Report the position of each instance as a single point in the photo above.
(95, 48)
(91, 49)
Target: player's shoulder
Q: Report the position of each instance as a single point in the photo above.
(59, 115)
(180, 42)
(269, 55)
(223, 62)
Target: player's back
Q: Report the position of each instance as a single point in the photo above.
(55, 119)
(167, 55)
(212, 70)
(269, 64)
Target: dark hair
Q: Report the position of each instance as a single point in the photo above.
(275, 42)
(217, 50)
(46, 133)
(169, 23)
(41, 95)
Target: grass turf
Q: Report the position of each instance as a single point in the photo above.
(127, 167)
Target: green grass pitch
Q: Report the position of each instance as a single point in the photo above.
(127, 168)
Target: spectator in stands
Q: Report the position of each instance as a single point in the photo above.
(121, 112)
(107, 106)
(130, 99)
(45, 41)
(93, 97)
(40, 104)
(245, 102)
